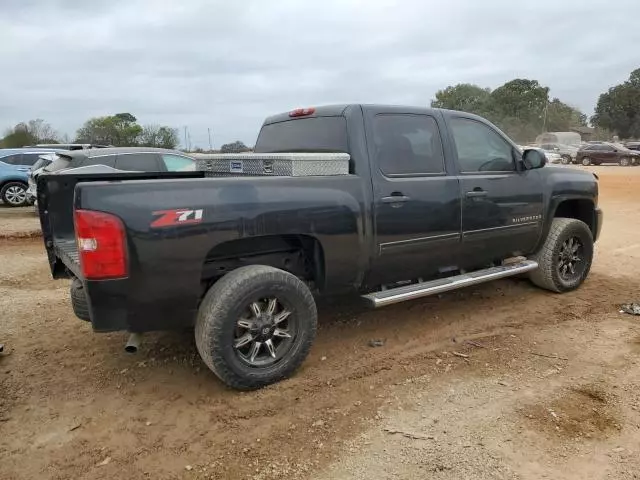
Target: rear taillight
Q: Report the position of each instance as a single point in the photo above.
(101, 245)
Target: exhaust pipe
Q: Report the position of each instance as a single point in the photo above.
(133, 344)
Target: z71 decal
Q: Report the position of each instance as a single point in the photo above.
(183, 216)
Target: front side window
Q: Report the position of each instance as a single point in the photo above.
(408, 144)
(178, 163)
(480, 148)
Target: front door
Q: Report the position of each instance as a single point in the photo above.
(416, 203)
(501, 202)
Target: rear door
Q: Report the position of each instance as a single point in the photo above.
(416, 201)
(501, 202)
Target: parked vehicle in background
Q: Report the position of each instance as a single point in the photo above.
(599, 153)
(635, 146)
(15, 164)
(392, 203)
(139, 159)
(552, 157)
(563, 138)
(35, 171)
(568, 153)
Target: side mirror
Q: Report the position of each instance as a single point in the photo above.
(533, 159)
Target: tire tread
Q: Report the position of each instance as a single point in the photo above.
(213, 312)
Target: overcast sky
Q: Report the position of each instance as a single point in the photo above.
(226, 65)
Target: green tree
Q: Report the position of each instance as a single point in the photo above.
(464, 97)
(159, 136)
(29, 133)
(234, 147)
(561, 117)
(120, 130)
(618, 109)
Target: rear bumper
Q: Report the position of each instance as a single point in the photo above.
(598, 226)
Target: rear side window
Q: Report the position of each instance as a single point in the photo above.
(12, 159)
(408, 144)
(319, 134)
(144, 162)
(108, 160)
(29, 158)
(178, 163)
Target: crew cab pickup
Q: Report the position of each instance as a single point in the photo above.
(431, 200)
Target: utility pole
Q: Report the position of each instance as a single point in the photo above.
(210, 144)
(544, 120)
(186, 145)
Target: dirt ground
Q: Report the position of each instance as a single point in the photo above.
(501, 381)
(19, 222)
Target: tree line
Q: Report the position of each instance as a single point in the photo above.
(523, 109)
(119, 130)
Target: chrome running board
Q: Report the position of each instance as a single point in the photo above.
(424, 289)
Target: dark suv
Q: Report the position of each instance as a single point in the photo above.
(598, 153)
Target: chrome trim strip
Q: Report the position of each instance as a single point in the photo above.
(417, 241)
(502, 227)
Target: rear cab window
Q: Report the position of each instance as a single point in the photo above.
(312, 134)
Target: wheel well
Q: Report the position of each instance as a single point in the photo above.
(580, 210)
(12, 180)
(300, 255)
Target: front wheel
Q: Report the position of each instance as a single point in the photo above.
(565, 258)
(14, 194)
(624, 162)
(255, 326)
(586, 161)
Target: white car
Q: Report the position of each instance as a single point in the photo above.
(36, 169)
(552, 157)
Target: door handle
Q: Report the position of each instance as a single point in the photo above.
(395, 199)
(477, 194)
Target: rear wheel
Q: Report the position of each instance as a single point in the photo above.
(624, 162)
(14, 194)
(79, 300)
(565, 258)
(255, 326)
(586, 161)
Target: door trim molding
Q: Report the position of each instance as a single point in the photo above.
(412, 242)
(502, 227)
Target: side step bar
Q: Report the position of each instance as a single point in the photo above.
(433, 287)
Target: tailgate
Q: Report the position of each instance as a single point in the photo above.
(56, 202)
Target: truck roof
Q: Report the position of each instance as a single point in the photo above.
(337, 110)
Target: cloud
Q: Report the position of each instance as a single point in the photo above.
(227, 65)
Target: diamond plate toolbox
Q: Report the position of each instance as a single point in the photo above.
(273, 164)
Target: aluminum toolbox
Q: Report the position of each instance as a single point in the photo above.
(273, 164)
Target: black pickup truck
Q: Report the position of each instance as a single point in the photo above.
(433, 200)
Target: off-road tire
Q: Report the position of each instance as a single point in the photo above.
(222, 307)
(79, 300)
(547, 274)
